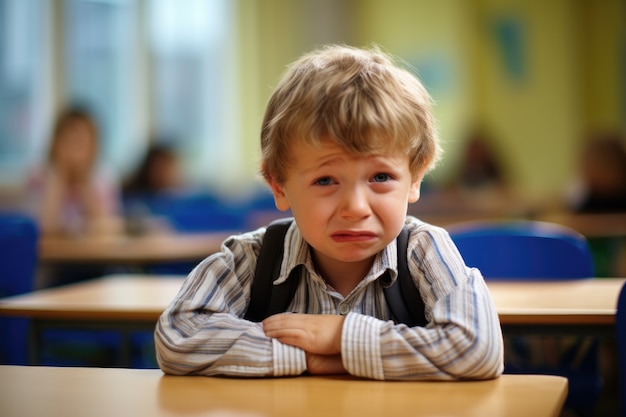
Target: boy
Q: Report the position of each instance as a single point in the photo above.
(346, 140)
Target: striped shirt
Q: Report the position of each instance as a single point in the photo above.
(203, 331)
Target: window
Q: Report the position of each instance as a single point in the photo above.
(193, 83)
(139, 66)
(101, 71)
(24, 93)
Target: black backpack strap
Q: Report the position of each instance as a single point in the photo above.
(265, 297)
(403, 296)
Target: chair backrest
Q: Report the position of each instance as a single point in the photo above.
(523, 249)
(18, 253)
(189, 212)
(620, 333)
(18, 262)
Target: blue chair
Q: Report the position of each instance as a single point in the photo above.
(533, 250)
(528, 250)
(260, 209)
(60, 347)
(190, 212)
(620, 333)
(18, 261)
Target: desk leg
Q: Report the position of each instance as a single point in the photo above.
(125, 329)
(126, 353)
(34, 345)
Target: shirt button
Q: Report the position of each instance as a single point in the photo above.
(344, 309)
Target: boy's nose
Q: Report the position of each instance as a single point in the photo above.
(355, 203)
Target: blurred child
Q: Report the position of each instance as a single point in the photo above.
(70, 196)
(601, 186)
(481, 167)
(158, 172)
(151, 189)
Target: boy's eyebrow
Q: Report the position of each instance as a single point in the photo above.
(385, 160)
(324, 162)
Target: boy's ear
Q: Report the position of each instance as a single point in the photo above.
(280, 199)
(414, 190)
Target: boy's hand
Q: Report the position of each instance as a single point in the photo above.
(324, 364)
(314, 333)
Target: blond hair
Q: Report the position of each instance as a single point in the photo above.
(357, 97)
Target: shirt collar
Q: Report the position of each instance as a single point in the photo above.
(297, 253)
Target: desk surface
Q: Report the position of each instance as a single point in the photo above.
(591, 225)
(95, 392)
(128, 249)
(189, 247)
(576, 302)
(115, 297)
(143, 298)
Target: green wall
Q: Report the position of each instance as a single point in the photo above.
(539, 74)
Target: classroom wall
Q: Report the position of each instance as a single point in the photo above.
(539, 74)
(433, 38)
(603, 63)
(572, 55)
(531, 93)
(272, 34)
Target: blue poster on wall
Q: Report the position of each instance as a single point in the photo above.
(509, 36)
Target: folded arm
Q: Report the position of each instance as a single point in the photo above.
(202, 331)
(462, 340)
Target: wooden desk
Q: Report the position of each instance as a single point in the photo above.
(590, 225)
(126, 298)
(134, 302)
(609, 225)
(94, 392)
(126, 303)
(144, 297)
(557, 303)
(189, 247)
(130, 250)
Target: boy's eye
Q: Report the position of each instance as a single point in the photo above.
(381, 177)
(324, 181)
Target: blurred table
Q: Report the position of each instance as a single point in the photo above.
(173, 247)
(582, 305)
(131, 298)
(124, 303)
(94, 392)
(135, 302)
(137, 297)
(590, 225)
(117, 250)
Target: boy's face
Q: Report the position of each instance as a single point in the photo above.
(347, 207)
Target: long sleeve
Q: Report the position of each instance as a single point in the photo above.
(463, 338)
(202, 332)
